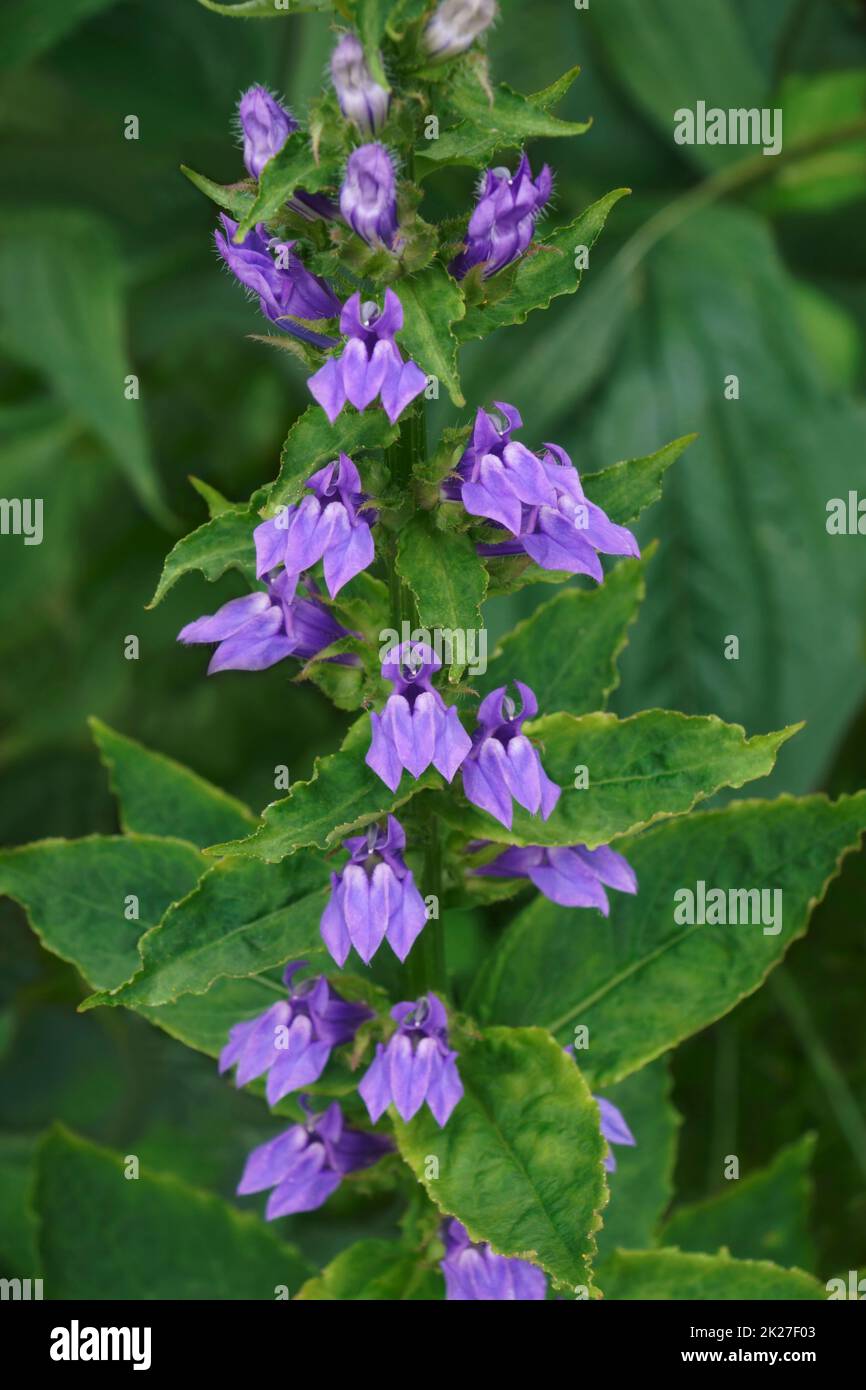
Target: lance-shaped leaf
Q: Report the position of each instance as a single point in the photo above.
(372, 1270)
(641, 982)
(157, 796)
(294, 167)
(657, 1275)
(551, 267)
(639, 770)
(642, 1185)
(571, 644)
(225, 542)
(625, 489)
(447, 577)
(342, 795)
(242, 918)
(187, 1244)
(505, 123)
(313, 441)
(234, 198)
(432, 310)
(203, 1021)
(762, 1216)
(519, 1161)
(77, 894)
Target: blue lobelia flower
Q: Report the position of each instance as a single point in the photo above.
(502, 225)
(265, 126)
(306, 1163)
(362, 100)
(569, 875)
(293, 1039)
(455, 26)
(374, 898)
(330, 524)
(415, 1065)
(368, 197)
(262, 628)
(416, 727)
(503, 764)
(286, 289)
(370, 365)
(474, 1273)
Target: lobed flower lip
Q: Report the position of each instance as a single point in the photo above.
(474, 1272)
(503, 766)
(370, 366)
(286, 291)
(374, 898)
(415, 1066)
(569, 875)
(416, 728)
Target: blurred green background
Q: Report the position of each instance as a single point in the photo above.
(722, 262)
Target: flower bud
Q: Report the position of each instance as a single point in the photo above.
(266, 126)
(361, 98)
(456, 25)
(368, 198)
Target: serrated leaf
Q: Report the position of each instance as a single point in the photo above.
(571, 644)
(639, 981)
(545, 271)
(74, 893)
(294, 167)
(761, 1216)
(507, 123)
(225, 542)
(642, 1185)
(313, 441)
(432, 306)
(342, 796)
(234, 198)
(661, 1275)
(242, 918)
(643, 769)
(372, 1270)
(446, 575)
(157, 796)
(520, 1157)
(106, 1238)
(203, 1021)
(626, 489)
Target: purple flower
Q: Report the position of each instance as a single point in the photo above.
(540, 500)
(373, 898)
(306, 1163)
(370, 364)
(327, 524)
(285, 288)
(473, 1272)
(571, 876)
(260, 629)
(416, 727)
(455, 26)
(501, 227)
(368, 197)
(361, 98)
(614, 1129)
(292, 1040)
(503, 763)
(415, 1065)
(265, 125)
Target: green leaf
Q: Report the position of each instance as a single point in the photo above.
(643, 769)
(375, 1269)
(203, 1021)
(370, 18)
(19, 1224)
(432, 305)
(243, 917)
(663, 1275)
(814, 103)
(642, 1186)
(760, 1216)
(294, 166)
(342, 795)
(225, 542)
(104, 1237)
(446, 576)
(640, 982)
(235, 198)
(74, 893)
(265, 9)
(157, 796)
(313, 441)
(545, 271)
(62, 307)
(592, 623)
(520, 1158)
(506, 123)
(626, 489)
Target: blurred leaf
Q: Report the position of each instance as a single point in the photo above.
(264, 9)
(662, 1275)
(763, 1215)
(640, 982)
(29, 27)
(152, 1237)
(813, 103)
(373, 1270)
(520, 1158)
(19, 1224)
(642, 1185)
(432, 306)
(831, 333)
